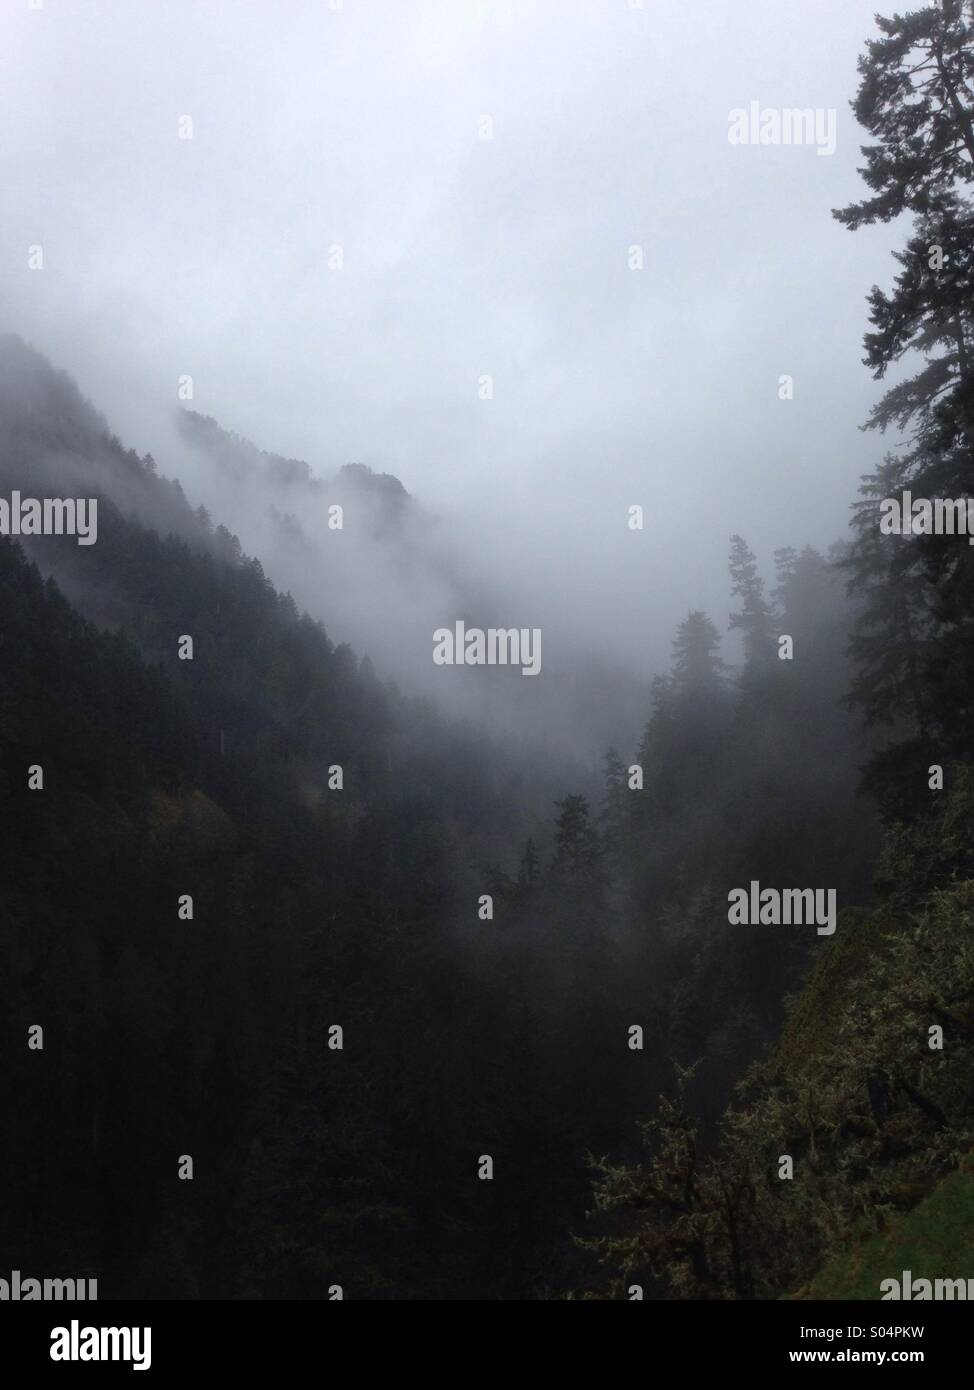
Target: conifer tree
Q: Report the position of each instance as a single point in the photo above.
(913, 643)
(697, 667)
(755, 618)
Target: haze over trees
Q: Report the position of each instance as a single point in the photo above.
(313, 907)
(339, 940)
(865, 1094)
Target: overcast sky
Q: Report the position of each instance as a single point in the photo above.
(360, 126)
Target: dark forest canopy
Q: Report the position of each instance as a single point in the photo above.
(314, 907)
(339, 945)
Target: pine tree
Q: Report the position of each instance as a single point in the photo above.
(613, 819)
(914, 642)
(528, 868)
(914, 97)
(892, 631)
(697, 668)
(755, 618)
(577, 851)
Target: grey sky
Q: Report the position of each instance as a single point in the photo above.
(464, 257)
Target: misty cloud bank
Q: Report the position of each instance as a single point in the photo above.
(339, 260)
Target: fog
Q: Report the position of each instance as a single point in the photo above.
(354, 133)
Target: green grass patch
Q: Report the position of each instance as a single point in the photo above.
(933, 1241)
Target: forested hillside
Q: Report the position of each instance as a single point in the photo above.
(314, 907)
(844, 1157)
(342, 944)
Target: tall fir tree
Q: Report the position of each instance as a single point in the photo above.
(755, 618)
(913, 643)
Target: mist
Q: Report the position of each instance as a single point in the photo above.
(489, 815)
(402, 235)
